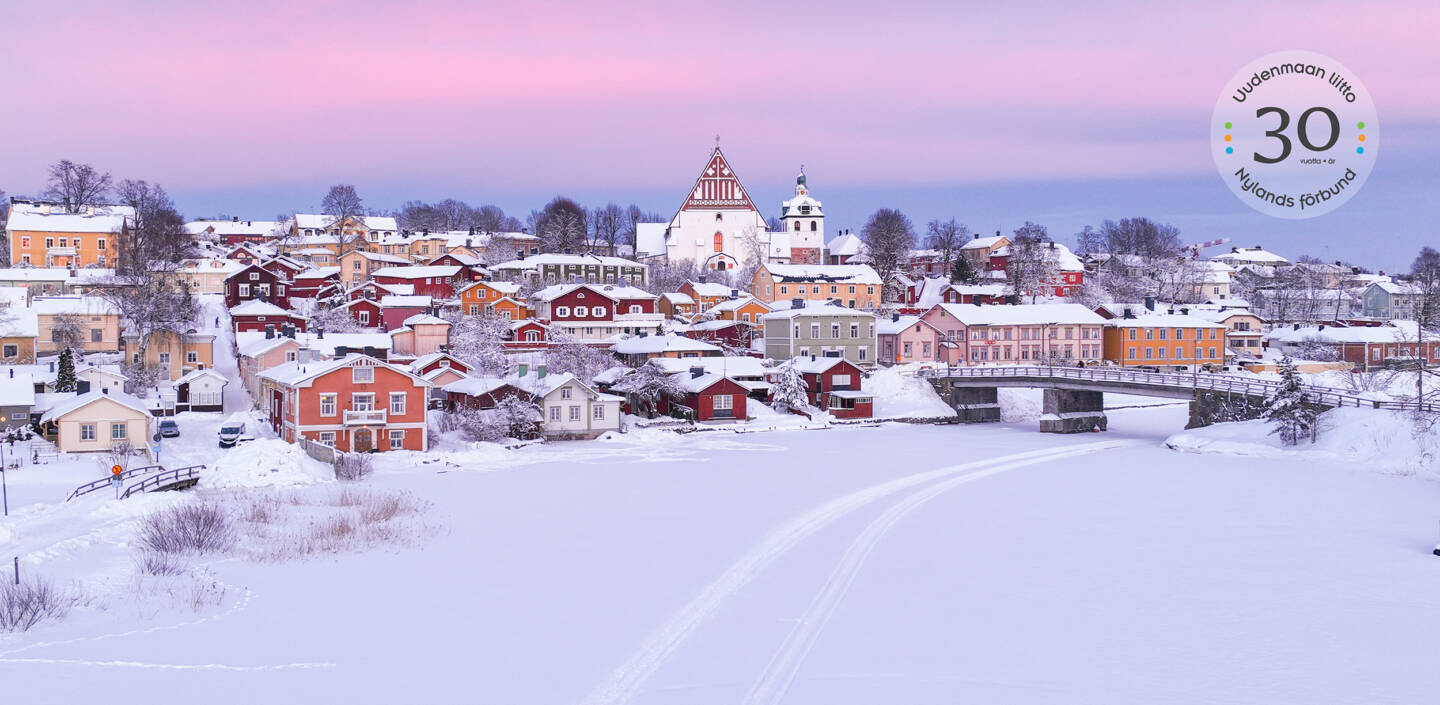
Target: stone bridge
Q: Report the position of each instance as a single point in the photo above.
(1074, 398)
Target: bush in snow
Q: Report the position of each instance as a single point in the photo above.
(512, 417)
(152, 562)
(187, 528)
(1292, 415)
(647, 387)
(31, 602)
(352, 466)
(788, 392)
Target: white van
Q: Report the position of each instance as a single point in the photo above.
(232, 430)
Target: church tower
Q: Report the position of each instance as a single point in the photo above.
(804, 221)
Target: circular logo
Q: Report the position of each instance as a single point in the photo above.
(1294, 134)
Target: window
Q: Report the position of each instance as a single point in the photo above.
(119, 431)
(290, 356)
(797, 226)
(1160, 352)
(25, 241)
(813, 226)
(565, 393)
(361, 374)
(1163, 333)
(49, 242)
(581, 311)
(854, 330)
(1149, 333)
(87, 431)
(562, 312)
(397, 438)
(254, 276)
(192, 357)
(852, 288)
(862, 353)
(100, 244)
(834, 289)
(397, 402)
(164, 358)
(11, 351)
(244, 289)
(363, 317)
(719, 242)
(723, 402)
(814, 330)
(597, 412)
(532, 336)
(834, 330)
(96, 335)
(1179, 333)
(327, 404)
(634, 308)
(554, 413)
(1132, 353)
(327, 437)
(362, 401)
(574, 413)
(1149, 353)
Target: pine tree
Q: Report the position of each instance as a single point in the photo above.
(65, 372)
(789, 390)
(963, 272)
(1289, 411)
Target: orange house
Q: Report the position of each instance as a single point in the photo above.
(1168, 340)
(746, 308)
(477, 298)
(44, 235)
(355, 403)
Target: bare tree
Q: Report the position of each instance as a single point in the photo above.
(157, 239)
(343, 204)
(889, 237)
(77, 185)
(946, 237)
(561, 225)
(335, 320)
(1131, 236)
(670, 276)
(608, 223)
(1031, 263)
(68, 331)
(152, 308)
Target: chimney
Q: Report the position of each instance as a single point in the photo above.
(696, 372)
(104, 390)
(52, 365)
(341, 351)
(976, 237)
(997, 232)
(895, 317)
(797, 303)
(234, 218)
(269, 332)
(1150, 303)
(319, 333)
(1184, 311)
(734, 294)
(522, 369)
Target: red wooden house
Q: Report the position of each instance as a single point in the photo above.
(395, 309)
(284, 266)
(309, 283)
(355, 403)
(470, 268)
(365, 312)
(435, 281)
(713, 397)
(833, 384)
(244, 253)
(482, 393)
(734, 334)
(528, 334)
(255, 282)
(257, 315)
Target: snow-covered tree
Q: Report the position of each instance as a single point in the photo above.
(788, 391)
(889, 237)
(1031, 262)
(65, 372)
(568, 355)
(964, 272)
(334, 320)
(647, 386)
(1292, 416)
(513, 417)
(480, 342)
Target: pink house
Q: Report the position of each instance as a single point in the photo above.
(421, 334)
(258, 354)
(1017, 335)
(905, 339)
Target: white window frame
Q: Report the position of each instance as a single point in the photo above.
(87, 431)
(397, 403)
(397, 438)
(362, 374)
(330, 400)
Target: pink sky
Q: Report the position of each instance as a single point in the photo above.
(560, 96)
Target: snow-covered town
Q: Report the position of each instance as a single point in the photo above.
(345, 412)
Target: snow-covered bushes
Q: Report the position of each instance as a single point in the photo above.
(188, 528)
(353, 466)
(31, 602)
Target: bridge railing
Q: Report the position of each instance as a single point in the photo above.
(164, 478)
(1206, 381)
(94, 485)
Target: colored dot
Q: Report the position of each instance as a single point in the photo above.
(1362, 138)
(1227, 138)
(1229, 150)
(1360, 125)
(1359, 150)
(1227, 125)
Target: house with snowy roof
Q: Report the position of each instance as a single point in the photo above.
(235, 231)
(436, 281)
(852, 285)
(845, 248)
(257, 315)
(1256, 256)
(97, 420)
(906, 339)
(479, 298)
(674, 304)
(593, 312)
(824, 330)
(19, 328)
(636, 350)
(51, 235)
(420, 334)
(200, 390)
(1171, 340)
(93, 318)
(1391, 300)
(552, 268)
(1024, 334)
(832, 384)
(353, 403)
(255, 282)
(1364, 347)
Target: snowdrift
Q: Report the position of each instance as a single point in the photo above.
(1383, 440)
(266, 463)
(900, 395)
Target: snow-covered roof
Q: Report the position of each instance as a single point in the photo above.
(815, 309)
(552, 259)
(232, 227)
(893, 326)
(18, 322)
(812, 364)
(417, 272)
(710, 290)
(476, 386)
(1028, 314)
(655, 344)
(650, 239)
(52, 274)
(729, 366)
(77, 305)
(1397, 288)
(738, 302)
(26, 220)
(827, 273)
(983, 243)
(1340, 334)
(193, 375)
(298, 372)
(678, 299)
(611, 291)
(256, 307)
(1253, 255)
(425, 319)
(398, 301)
(60, 409)
(320, 221)
(846, 244)
(1163, 320)
(18, 390)
(317, 273)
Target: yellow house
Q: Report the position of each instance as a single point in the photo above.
(95, 321)
(18, 330)
(207, 276)
(852, 285)
(356, 265)
(175, 353)
(95, 421)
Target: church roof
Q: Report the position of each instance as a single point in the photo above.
(718, 188)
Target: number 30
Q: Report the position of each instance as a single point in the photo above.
(1301, 132)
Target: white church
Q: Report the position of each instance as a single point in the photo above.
(719, 228)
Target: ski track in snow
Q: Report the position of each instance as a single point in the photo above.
(169, 666)
(772, 685)
(625, 682)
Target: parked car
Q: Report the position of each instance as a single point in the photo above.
(232, 430)
(168, 428)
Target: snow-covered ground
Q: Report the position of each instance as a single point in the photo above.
(843, 565)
